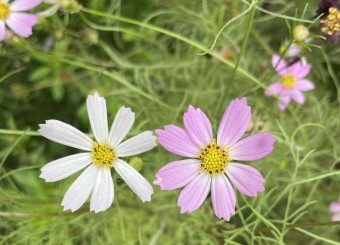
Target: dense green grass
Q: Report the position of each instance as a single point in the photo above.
(152, 65)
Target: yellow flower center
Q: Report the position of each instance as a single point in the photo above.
(103, 155)
(332, 23)
(4, 10)
(214, 158)
(288, 81)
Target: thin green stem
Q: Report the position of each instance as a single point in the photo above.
(176, 36)
(301, 225)
(19, 132)
(245, 40)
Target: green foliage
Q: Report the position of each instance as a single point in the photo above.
(158, 74)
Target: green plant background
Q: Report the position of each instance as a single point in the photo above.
(158, 74)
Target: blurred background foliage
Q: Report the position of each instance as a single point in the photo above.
(49, 76)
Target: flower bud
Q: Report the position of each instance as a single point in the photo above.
(136, 163)
(300, 33)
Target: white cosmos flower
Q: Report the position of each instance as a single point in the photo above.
(101, 156)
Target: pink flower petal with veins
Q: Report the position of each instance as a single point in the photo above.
(234, 123)
(222, 197)
(298, 70)
(284, 100)
(194, 194)
(279, 64)
(21, 23)
(177, 174)
(177, 141)
(252, 148)
(273, 89)
(198, 126)
(304, 85)
(23, 5)
(298, 96)
(246, 179)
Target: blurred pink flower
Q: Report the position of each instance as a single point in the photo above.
(211, 160)
(292, 82)
(11, 15)
(335, 209)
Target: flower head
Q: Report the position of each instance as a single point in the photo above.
(212, 162)
(292, 82)
(101, 155)
(330, 21)
(11, 14)
(335, 209)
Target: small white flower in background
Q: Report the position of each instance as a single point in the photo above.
(50, 11)
(70, 6)
(101, 156)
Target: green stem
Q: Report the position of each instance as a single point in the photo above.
(245, 40)
(19, 132)
(301, 225)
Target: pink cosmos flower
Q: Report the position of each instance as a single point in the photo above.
(11, 15)
(292, 82)
(335, 209)
(212, 163)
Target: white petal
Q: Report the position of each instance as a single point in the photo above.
(65, 134)
(141, 143)
(2, 30)
(96, 109)
(102, 196)
(81, 189)
(121, 126)
(135, 180)
(48, 12)
(64, 167)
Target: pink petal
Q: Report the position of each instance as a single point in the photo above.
(177, 174)
(246, 179)
(294, 50)
(22, 23)
(234, 123)
(194, 194)
(334, 207)
(284, 100)
(273, 89)
(223, 197)
(298, 96)
(336, 217)
(279, 64)
(198, 126)
(299, 70)
(22, 5)
(253, 147)
(2, 30)
(304, 85)
(177, 141)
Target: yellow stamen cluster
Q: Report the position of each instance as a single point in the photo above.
(214, 158)
(4, 10)
(332, 23)
(288, 81)
(103, 155)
